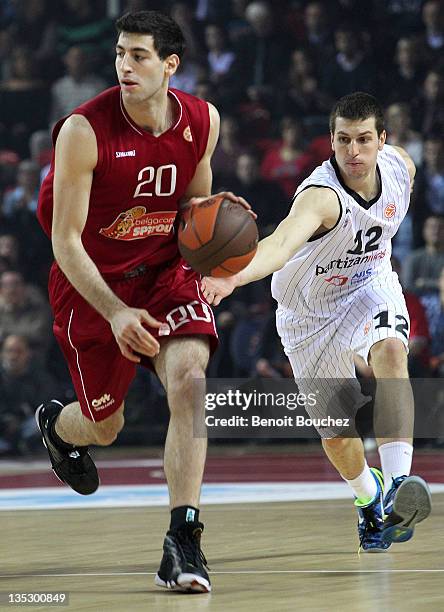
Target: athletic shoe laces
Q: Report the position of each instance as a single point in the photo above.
(190, 546)
(371, 526)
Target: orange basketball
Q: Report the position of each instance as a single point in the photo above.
(218, 237)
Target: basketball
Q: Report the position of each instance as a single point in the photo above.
(218, 237)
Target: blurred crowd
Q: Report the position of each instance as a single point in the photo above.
(273, 70)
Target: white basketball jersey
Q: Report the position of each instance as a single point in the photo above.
(332, 266)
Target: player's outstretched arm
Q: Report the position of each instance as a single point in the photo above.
(313, 209)
(75, 160)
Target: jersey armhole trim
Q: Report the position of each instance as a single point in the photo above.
(341, 210)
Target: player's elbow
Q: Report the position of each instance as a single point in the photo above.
(64, 248)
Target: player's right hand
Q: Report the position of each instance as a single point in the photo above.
(131, 335)
(216, 289)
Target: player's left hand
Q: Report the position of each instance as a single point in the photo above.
(229, 195)
(216, 289)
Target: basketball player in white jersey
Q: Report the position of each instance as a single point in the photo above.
(338, 297)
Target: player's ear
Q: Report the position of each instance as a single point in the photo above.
(171, 64)
(382, 139)
(332, 140)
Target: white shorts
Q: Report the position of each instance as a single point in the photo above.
(320, 348)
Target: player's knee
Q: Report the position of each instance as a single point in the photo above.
(335, 445)
(184, 382)
(389, 354)
(106, 431)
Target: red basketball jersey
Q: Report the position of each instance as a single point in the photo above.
(138, 181)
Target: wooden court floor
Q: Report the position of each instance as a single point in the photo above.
(275, 557)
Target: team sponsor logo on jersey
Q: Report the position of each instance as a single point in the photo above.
(136, 223)
(349, 262)
(102, 402)
(389, 211)
(126, 153)
(337, 280)
(187, 134)
(358, 277)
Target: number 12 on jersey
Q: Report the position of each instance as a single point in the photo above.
(389, 320)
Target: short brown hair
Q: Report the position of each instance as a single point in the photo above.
(358, 106)
(167, 36)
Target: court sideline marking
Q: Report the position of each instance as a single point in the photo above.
(314, 571)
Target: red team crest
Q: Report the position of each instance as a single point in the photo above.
(136, 223)
(389, 211)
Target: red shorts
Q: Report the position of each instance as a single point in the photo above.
(100, 373)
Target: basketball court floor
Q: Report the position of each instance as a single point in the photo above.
(280, 534)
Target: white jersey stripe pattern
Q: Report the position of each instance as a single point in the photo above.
(338, 295)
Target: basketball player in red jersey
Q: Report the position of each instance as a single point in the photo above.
(120, 293)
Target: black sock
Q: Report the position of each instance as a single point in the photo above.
(182, 515)
(57, 440)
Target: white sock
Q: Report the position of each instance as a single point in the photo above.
(364, 486)
(396, 460)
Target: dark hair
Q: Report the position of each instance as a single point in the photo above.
(167, 35)
(358, 106)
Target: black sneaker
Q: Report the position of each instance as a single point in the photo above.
(72, 466)
(183, 566)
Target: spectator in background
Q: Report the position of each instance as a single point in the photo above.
(228, 149)
(408, 74)
(435, 312)
(399, 132)
(21, 382)
(19, 210)
(272, 361)
(270, 202)
(35, 23)
(402, 16)
(419, 336)
(428, 106)
(433, 37)
(85, 23)
(6, 46)
(300, 92)
(428, 190)
(188, 75)
(24, 102)
(238, 25)
(9, 251)
(262, 56)
(182, 13)
(423, 267)
(24, 312)
(350, 70)
(205, 90)
(318, 35)
(40, 147)
(77, 86)
(288, 163)
(25, 194)
(220, 58)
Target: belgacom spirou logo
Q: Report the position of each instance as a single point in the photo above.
(136, 223)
